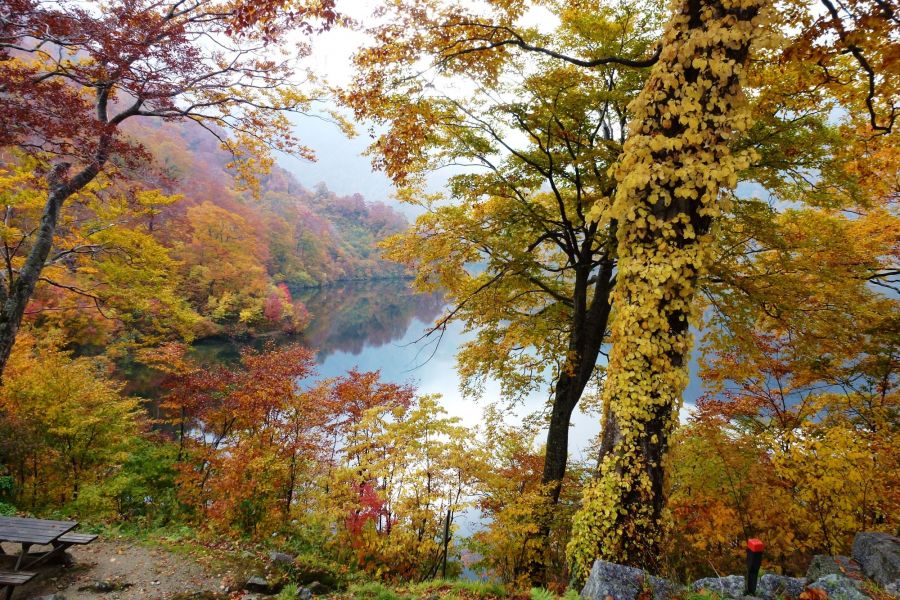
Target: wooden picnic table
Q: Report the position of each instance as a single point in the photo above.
(31, 532)
(28, 533)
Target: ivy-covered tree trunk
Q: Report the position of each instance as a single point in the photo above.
(674, 164)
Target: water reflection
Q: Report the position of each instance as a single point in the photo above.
(379, 326)
(376, 326)
(350, 317)
(348, 322)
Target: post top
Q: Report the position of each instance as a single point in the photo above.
(755, 545)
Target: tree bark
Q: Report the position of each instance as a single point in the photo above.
(585, 340)
(21, 290)
(60, 188)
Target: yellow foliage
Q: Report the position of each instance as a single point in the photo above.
(65, 422)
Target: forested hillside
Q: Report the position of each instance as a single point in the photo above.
(200, 253)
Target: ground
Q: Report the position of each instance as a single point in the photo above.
(154, 568)
(128, 570)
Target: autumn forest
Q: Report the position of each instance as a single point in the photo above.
(672, 224)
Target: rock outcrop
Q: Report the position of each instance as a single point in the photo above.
(839, 587)
(625, 583)
(769, 586)
(823, 565)
(879, 556)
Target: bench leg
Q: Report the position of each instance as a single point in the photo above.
(25, 548)
(58, 549)
(9, 592)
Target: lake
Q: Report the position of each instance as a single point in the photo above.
(379, 326)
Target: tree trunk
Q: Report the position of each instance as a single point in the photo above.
(585, 340)
(23, 287)
(59, 188)
(675, 162)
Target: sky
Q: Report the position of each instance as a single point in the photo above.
(341, 163)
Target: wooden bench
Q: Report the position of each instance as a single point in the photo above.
(11, 579)
(77, 539)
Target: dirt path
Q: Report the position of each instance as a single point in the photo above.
(123, 571)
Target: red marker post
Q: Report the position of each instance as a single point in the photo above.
(755, 549)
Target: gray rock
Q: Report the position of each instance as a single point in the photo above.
(731, 586)
(822, 565)
(257, 584)
(318, 589)
(625, 583)
(281, 558)
(104, 586)
(304, 593)
(879, 556)
(838, 587)
(768, 586)
(50, 597)
(779, 586)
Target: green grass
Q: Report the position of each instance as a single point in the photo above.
(288, 592)
(434, 589)
(376, 591)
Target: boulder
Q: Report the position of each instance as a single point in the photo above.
(822, 565)
(318, 589)
(257, 584)
(281, 558)
(731, 586)
(838, 587)
(304, 593)
(768, 586)
(779, 586)
(879, 556)
(625, 583)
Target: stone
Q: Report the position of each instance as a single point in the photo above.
(838, 587)
(731, 586)
(281, 558)
(779, 586)
(257, 584)
(893, 589)
(50, 597)
(768, 586)
(625, 583)
(879, 556)
(105, 586)
(318, 589)
(822, 565)
(304, 593)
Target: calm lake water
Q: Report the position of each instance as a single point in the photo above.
(380, 326)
